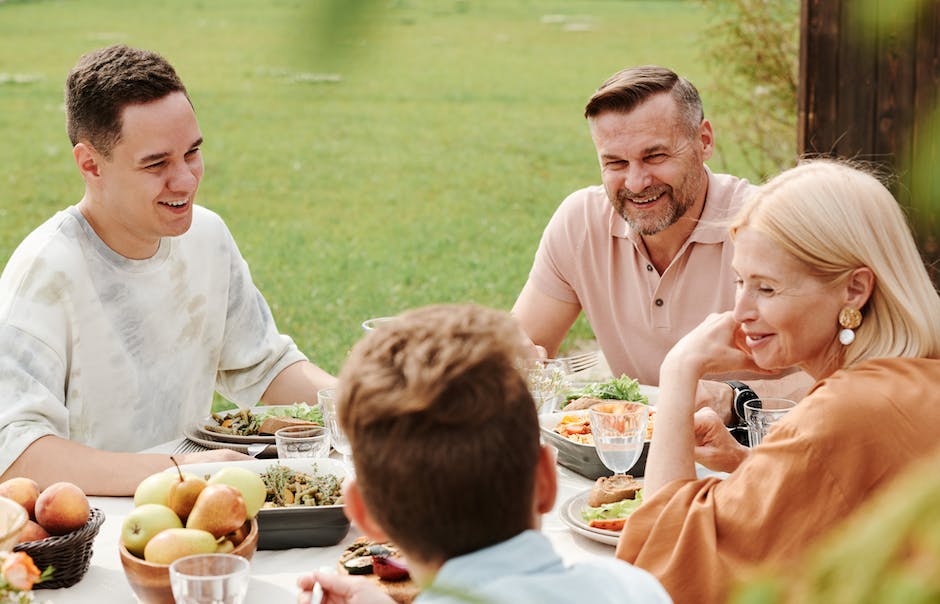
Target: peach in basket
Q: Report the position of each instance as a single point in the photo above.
(151, 582)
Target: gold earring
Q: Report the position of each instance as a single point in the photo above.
(849, 319)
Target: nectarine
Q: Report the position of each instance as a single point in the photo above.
(62, 508)
(31, 532)
(22, 490)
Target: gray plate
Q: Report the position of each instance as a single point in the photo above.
(580, 458)
(301, 526)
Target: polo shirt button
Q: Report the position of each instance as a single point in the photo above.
(659, 301)
(649, 267)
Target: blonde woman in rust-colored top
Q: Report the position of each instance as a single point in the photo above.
(829, 280)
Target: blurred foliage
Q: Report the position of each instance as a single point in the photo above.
(752, 47)
(888, 552)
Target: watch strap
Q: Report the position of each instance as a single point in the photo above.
(742, 393)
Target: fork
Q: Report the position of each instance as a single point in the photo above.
(188, 446)
(581, 361)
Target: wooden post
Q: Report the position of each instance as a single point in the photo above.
(869, 74)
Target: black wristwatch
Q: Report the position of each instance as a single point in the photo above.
(742, 393)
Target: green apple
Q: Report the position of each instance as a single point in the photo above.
(247, 482)
(175, 543)
(145, 522)
(154, 489)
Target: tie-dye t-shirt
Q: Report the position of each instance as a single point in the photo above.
(122, 354)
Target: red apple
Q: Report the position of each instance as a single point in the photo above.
(22, 490)
(62, 508)
(31, 532)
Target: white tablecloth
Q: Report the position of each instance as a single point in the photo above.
(274, 572)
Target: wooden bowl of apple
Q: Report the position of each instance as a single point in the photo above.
(177, 515)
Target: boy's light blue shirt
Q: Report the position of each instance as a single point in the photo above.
(527, 569)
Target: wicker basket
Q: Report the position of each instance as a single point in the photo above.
(69, 555)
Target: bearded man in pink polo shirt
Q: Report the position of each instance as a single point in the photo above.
(646, 255)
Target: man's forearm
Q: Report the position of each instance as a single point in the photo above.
(53, 459)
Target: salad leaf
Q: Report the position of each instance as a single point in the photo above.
(617, 509)
(297, 410)
(623, 388)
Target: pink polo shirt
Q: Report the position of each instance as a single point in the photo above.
(590, 256)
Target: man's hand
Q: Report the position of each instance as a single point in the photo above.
(341, 589)
(715, 448)
(211, 455)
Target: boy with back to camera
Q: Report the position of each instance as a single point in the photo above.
(445, 441)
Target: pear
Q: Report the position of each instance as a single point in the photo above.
(183, 493)
(219, 509)
(172, 543)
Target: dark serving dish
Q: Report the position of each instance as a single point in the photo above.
(578, 457)
(295, 526)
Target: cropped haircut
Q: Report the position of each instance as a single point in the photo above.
(628, 88)
(835, 218)
(107, 80)
(444, 432)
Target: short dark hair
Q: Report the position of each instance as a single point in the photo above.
(444, 431)
(628, 88)
(107, 80)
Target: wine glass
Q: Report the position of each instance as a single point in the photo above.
(619, 430)
(327, 400)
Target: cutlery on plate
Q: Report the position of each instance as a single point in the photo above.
(255, 449)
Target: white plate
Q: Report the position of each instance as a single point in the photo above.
(570, 513)
(325, 465)
(200, 427)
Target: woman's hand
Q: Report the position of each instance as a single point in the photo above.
(716, 345)
(341, 589)
(715, 448)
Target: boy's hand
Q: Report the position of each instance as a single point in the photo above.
(341, 589)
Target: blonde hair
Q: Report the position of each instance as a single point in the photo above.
(835, 218)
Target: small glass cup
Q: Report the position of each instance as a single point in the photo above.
(209, 579)
(762, 413)
(373, 324)
(327, 400)
(547, 382)
(302, 441)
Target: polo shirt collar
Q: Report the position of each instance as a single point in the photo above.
(712, 226)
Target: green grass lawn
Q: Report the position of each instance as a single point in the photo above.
(411, 161)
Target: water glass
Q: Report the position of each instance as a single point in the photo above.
(302, 441)
(327, 400)
(619, 430)
(547, 382)
(760, 414)
(209, 579)
(372, 324)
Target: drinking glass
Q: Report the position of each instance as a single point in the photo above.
(547, 383)
(209, 579)
(619, 430)
(327, 399)
(762, 413)
(302, 441)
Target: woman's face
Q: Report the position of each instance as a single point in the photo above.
(789, 317)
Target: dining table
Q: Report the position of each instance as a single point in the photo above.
(274, 572)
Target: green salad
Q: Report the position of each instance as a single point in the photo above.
(623, 388)
(609, 511)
